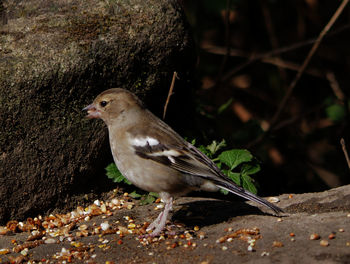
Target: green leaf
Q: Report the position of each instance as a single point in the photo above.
(224, 106)
(135, 195)
(147, 199)
(113, 173)
(233, 176)
(248, 184)
(214, 146)
(205, 151)
(232, 158)
(224, 191)
(251, 168)
(154, 194)
(336, 112)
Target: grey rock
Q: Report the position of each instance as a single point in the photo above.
(321, 213)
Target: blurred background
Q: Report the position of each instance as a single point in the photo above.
(249, 52)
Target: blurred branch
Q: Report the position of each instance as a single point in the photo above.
(169, 93)
(265, 57)
(307, 60)
(328, 177)
(335, 86)
(291, 87)
(297, 118)
(268, 60)
(343, 146)
(272, 36)
(227, 41)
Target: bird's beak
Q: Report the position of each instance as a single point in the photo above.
(92, 111)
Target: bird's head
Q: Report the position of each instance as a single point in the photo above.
(111, 103)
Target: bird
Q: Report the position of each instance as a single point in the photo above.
(152, 156)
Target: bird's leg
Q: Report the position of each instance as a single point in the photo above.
(155, 222)
(158, 225)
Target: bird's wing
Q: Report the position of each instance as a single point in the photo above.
(161, 144)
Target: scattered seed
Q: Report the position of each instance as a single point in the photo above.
(76, 244)
(24, 252)
(341, 230)
(292, 239)
(201, 235)
(115, 201)
(12, 225)
(250, 248)
(314, 236)
(131, 226)
(29, 244)
(277, 244)
(221, 240)
(103, 208)
(83, 227)
(224, 248)
(348, 244)
(279, 220)
(4, 251)
(324, 243)
(292, 234)
(264, 253)
(3, 230)
(290, 196)
(50, 241)
(35, 235)
(331, 236)
(159, 206)
(104, 225)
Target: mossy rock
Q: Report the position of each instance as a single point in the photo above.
(55, 57)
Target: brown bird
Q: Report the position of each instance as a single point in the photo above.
(152, 156)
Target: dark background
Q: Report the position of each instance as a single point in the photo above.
(302, 150)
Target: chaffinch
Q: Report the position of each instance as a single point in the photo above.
(152, 156)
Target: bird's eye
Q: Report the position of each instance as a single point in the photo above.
(103, 103)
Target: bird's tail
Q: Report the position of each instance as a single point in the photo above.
(233, 188)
